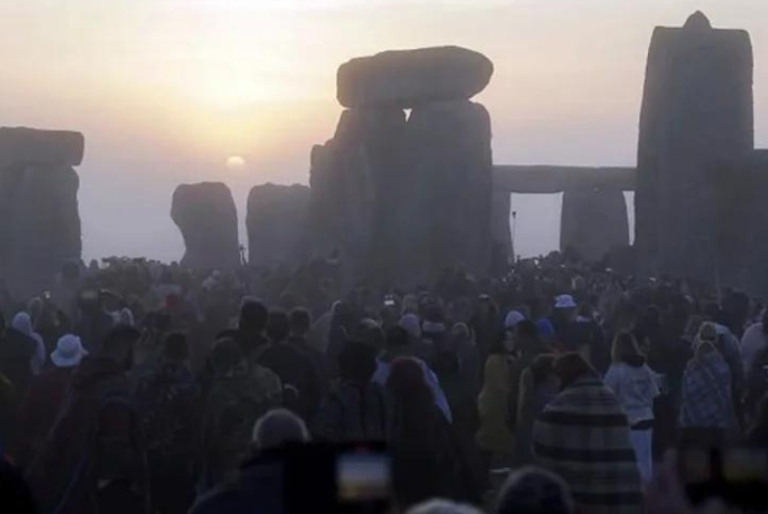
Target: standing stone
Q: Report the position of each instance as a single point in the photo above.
(594, 222)
(697, 109)
(39, 215)
(40, 225)
(502, 251)
(354, 180)
(277, 224)
(409, 78)
(445, 208)
(743, 223)
(207, 218)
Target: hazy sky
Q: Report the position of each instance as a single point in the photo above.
(166, 90)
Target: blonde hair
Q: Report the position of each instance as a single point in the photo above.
(706, 339)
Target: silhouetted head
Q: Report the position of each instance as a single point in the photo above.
(406, 382)
(300, 321)
(277, 428)
(357, 361)
(397, 337)
(227, 359)
(278, 326)
(119, 345)
(442, 507)
(535, 491)
(175, 349)
(570, 367)
(253, 316)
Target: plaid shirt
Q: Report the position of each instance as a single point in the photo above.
(706, 396)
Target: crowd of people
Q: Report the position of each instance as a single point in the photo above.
(133, 386)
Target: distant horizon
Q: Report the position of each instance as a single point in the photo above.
(168, 92)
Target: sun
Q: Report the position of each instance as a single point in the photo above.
(235, 163)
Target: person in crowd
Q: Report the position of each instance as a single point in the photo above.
(462, 342)
(242, 392)
(17, 351)
(442, 507)
(22, 324)
(300, 322)
(707, 399)
(668, 354)
(398, 345)
(93, 459)
(298, 374)
(427, 462)
(258, 485)
(562, 320)
(420, 347)
(757, 435)
(538, 386)
(495, 437)
(754, 341)
(584, 436)
(168, 398)
(485, 324)
(636, 387)
(535, 491)
(46, 395)
(728, 345)
(355, 408)
(252, 326)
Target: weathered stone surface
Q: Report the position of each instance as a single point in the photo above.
(445, 208)
(697, 109)
(502, 251)
(743, 222)
(21, 145)
(39, 225)
(541, 179)
(277, 222)
(355, 178)
(409, 78)
(594, 223)
(207, 218)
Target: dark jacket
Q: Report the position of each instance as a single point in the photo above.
(426, 458)
(256, 489)
(38, 412)
(352, 412)
(232, 408)
(95, 440)
(295, 370)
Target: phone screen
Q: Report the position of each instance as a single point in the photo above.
(363, 477)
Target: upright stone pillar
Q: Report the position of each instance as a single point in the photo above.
(207, 218)
(697, 110)
(277, 225)
(594, 222)
(447, 208)
(39, 214)
(502, 250)
(355, 179)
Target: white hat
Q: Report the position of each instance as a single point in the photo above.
(565, 301)
(69, 352)
(512, 319)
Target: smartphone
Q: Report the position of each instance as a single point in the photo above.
(349, 478)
